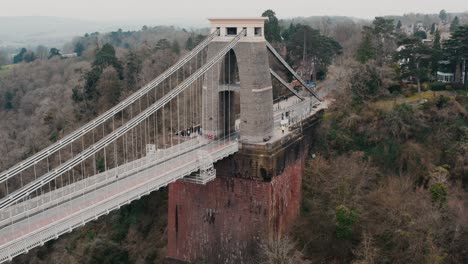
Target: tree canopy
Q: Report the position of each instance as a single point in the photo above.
(54, 52)
(456, 48)
(455, 24)
(319, 50)
(272, 28)
(443, 15)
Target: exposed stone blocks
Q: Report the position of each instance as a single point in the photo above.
(224, 221)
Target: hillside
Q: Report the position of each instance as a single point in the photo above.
(386, 181)
(31, 31)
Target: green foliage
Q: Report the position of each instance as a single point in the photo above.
(398, 26)
(377, 41)
(365, 51)
(456, 48)
(24, 56)
(420, 34)
(90, 235)
(175, 47)
(54, 136)
(455, 24)
(128, 216)
(385, 153)
(345, 219)
(366, 84)
(272, 28)
(438, 193)
(19, 57)
(53, 52)
(79, 48)
(133, 69)
(107, 253)
(193, 41)
(416, 59)
(320, 50)
(29, 57)
(382, 25)
(105, 57)
(438, 86)
(100, 165)
(8, 100)
(163, 44)
(442, 101)
(433, 28)
(443, 15)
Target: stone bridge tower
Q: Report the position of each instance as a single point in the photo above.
(244, 89)
(256, 195)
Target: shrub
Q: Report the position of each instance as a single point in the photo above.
(438, 193)
(442, 101)
(437, 86)
(345, 219)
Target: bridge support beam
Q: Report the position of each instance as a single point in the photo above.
(255, 197)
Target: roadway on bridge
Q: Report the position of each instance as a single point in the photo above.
(161, 173)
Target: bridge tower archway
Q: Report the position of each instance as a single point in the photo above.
(243, 77)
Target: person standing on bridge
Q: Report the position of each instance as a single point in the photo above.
(282, 129)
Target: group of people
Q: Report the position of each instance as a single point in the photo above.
(190, 132)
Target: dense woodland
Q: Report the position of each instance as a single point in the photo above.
(386, 181)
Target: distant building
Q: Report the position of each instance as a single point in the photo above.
(69, 55)
(445, 77)
(407, 29)
(428, 42)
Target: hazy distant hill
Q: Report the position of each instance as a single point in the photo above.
(50, 31)
(55, 31)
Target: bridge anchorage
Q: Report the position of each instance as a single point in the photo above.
(207, 127)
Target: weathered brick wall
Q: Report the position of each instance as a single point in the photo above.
(224, 221)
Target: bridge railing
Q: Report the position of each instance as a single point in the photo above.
(36, 185)
(71, 191)
(48, 157)
(28, 240)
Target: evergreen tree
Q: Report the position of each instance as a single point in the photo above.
(433, 28)
(415, 59)
(19, 57)
(320, 50)
(443, 15)
(365, 51)
(54, 52)
(29, 57)
(420, 34)
(272, 28)
(398, 26)
(79, 48)
(456, 49)
(455, 24)
(193, 41)
(105, 57)
(163, 44)
(133, 69)
(175, 47)
(190, 44)
(436, 53)
(290, 31)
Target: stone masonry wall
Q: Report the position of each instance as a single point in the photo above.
(224, 221)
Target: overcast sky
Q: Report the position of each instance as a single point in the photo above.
(199, 10)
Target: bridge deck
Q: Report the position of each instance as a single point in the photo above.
(88, 205)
